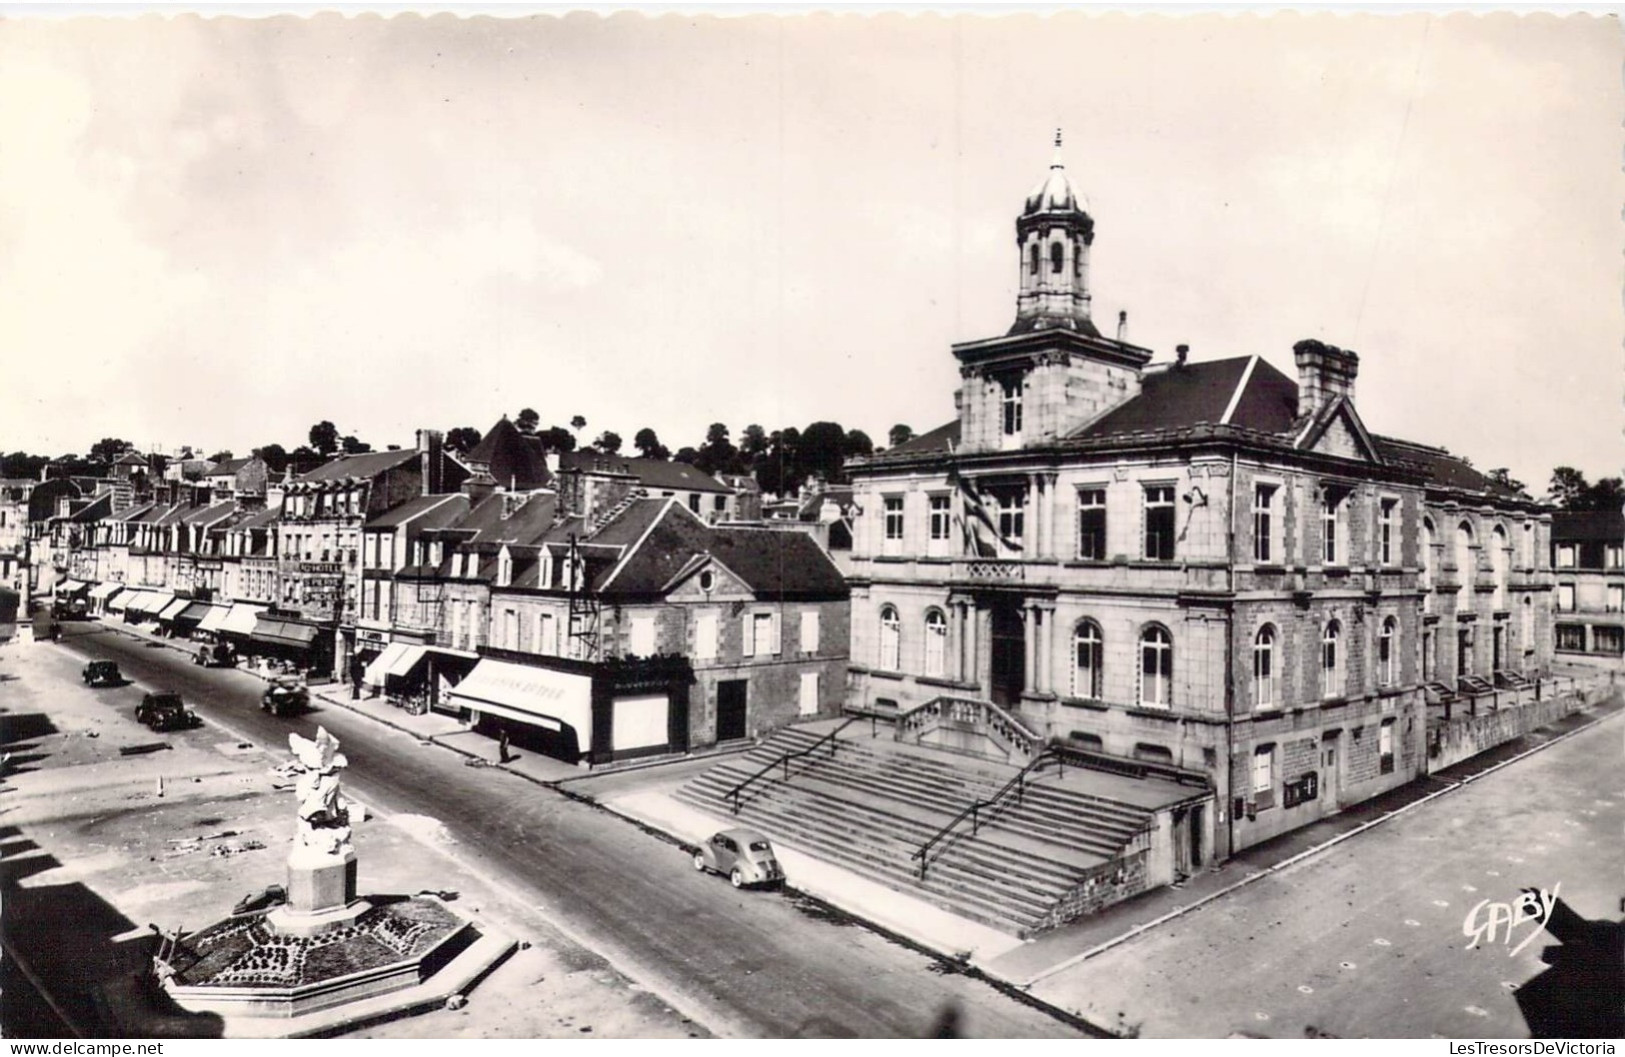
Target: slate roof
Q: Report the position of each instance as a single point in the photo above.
(675, 538)
(454, 504)
(940, 439)
(651, 473)
(1178, 397)
(629, 524)
(1581, 526)
(1443, 469)
(529, 523)
(260, 519)
(368, 465)
(776, 563)
(517, 461)
(94, 510)
(231, 466)
(206, 514)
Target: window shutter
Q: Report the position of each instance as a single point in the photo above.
(747, 630)
(778, 637)
(809, 631)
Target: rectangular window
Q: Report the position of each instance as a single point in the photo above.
(694, 502)
(808, 701)
(1010, 405)
(941, 517)
(761, 635)
(1571, 638)
(550, 635)
(1385, 748)
(1159, 523)
(894, 523)
(641, 643)
(809, 631)
(1565, 598)
(1616, 598)
(1264, 524)
(1331, 509)
(1092, 524)
(1612, 555)
(1385, 532)
(1565, 555)
(1608, 639)
(1012, 506)
(1263, 770)
(705, 637)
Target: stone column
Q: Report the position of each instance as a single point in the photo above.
(1029, 625)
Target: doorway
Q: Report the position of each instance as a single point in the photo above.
(1331, 769)
(1464, 653)
(731, 706)
(1498, 647)
(1009, 654)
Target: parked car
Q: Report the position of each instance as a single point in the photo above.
(215, 655)
(285, 696)
(744, 856)
(165, 711)
(102, 673)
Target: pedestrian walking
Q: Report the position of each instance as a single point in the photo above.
(502, 746)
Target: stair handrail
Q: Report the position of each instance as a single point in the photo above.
(905, 718)
(784, 758)
(973, 810)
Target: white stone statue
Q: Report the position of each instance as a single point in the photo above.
(324, 815)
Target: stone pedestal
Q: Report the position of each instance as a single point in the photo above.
(321, 893)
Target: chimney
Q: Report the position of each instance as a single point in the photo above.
(478, 485)
(1122, 326)
(430, 463)
(1325, 372)
(1181, 354)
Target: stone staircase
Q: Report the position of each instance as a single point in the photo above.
(870, 805)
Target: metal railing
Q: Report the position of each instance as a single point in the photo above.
(974, 810)
(785, 758)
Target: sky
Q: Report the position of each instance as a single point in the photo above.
(216, 232)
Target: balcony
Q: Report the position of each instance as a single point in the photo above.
(990, 570)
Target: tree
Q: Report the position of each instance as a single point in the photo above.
(753, 443)
(1503, 477)
(779, 471)
(353, 446)
(717, 454)
(649, 446)
(557, 438)
(821, 451)
(857, 443)
(22, 464)
(221, 456)
(463, 439)
(528, 420)
(688, 455)
(578, 423)
(304, 458)
(899, 434)
(1568, 486)
(324, 437)
(608, 442)
(1607, 494)
(275, 456)
(108, 449)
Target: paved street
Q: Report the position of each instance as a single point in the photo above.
(1366, 938)
(748, 964)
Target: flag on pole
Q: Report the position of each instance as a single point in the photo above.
(980, 529)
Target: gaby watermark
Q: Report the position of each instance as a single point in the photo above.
(1487, 920)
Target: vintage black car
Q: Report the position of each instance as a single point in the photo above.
(284, 697)
(215, 655)
(102, 673)
(165, 711)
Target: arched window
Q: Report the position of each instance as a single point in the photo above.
(1057, 258)
(1425, 581)
(1086, 657)
(1077, 261)
(936, 642)
(1156, 667)
(1033, 263)
(891, 639)
(1265, 688)
(1500, 559)
(1465, 565)
(1331, 661)
(1385, 652)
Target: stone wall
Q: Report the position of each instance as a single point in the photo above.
(1464, 736)
(1106, 884)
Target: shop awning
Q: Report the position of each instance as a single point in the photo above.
(117, 602)
(374, 675)
(539, 696)
(402, 666)
(104, 591)
(241, 619)
(214, 618)
(173, 610)
(278, 632)
(193, 613)
(152, 602)
(69, 588)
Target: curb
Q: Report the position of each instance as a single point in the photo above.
(1291, 860)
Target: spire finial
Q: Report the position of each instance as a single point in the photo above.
(1055, 163)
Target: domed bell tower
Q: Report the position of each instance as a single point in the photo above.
(1053, 234)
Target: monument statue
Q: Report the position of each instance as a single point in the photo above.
(324, 815)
